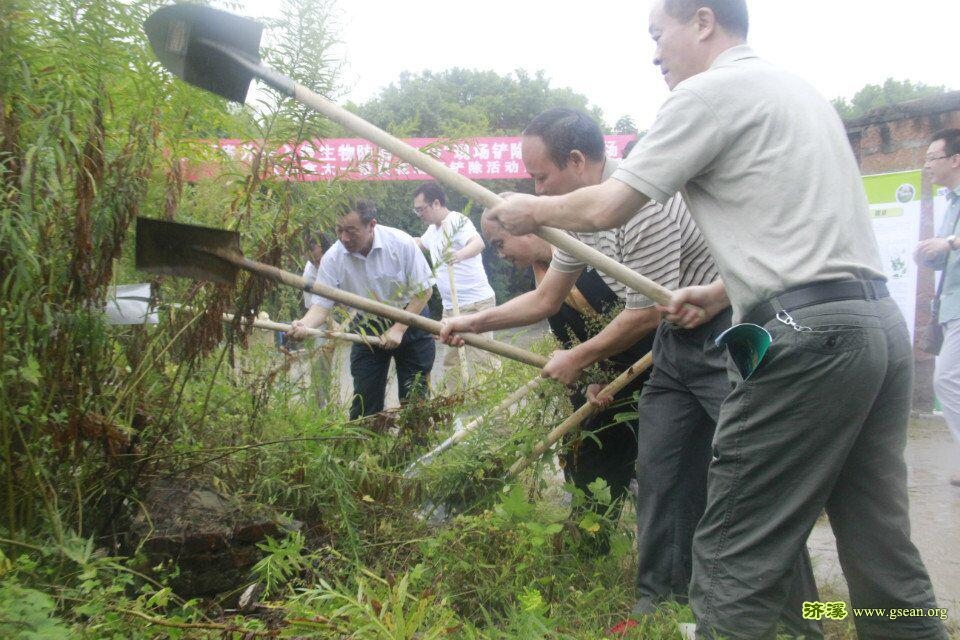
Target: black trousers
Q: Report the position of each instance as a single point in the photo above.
(369, 366)
(609, 449)
(606, 448)
(679, 408)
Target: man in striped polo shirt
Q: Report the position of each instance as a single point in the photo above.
(563, 150)
(610, 452)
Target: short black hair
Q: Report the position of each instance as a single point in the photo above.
(312, 238)
(564, 130)
(732, 15)
(431, 191)
(951, 140)
(363, 208)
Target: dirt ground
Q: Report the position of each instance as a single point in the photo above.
(932, 457)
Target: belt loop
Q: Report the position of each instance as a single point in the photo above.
(776, 305)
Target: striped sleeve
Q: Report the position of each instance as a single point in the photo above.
(568, 263)
(660, 242)
(696, 263)
(651, 245)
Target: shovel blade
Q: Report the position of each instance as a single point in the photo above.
(181, 36)
(186, 250)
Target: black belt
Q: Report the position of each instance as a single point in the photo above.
(818, 293)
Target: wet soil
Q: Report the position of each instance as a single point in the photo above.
(210, 536)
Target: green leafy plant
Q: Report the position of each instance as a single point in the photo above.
(382, 609)
(28, 614)
(284, 559)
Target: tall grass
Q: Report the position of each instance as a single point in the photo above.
(92, 134)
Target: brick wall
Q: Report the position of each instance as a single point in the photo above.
(895, 138)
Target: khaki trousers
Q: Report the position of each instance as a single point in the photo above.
(479, 362)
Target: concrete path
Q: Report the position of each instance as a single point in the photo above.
(932, 457)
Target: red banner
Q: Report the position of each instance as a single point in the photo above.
(358, 159)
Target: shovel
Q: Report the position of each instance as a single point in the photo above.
(220, 52)
(413, 470)
(370, 341)
(204, 253)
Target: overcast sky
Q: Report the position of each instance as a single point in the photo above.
(600, 48)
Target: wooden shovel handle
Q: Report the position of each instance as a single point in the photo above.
(484, 196)
(580, 415)
(464, 432)
(372, 306)
(334, 335)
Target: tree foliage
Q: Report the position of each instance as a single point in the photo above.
(462, 102)
(625, 125)
(459, 104)
(891, 92)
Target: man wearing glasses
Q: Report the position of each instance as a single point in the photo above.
(384, 264)
(454, 246)
(941, 253)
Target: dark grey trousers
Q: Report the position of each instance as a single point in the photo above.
(679, 409)
(820, 425)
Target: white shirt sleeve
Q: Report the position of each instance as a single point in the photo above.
(418, 275)
(310, 275)
(326, 274)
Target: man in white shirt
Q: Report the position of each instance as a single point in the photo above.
(384, 264)
(453, 242)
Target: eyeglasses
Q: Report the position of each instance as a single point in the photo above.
(419, 210)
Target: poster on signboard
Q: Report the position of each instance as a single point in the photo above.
(895, 206)
(486, 158)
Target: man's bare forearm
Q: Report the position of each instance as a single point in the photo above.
(315, 316)
(629, 327)
(533, 306)
(474, 247)
(521, 311)
(604, 206)
(415, 306)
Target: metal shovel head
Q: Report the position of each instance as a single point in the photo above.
(186, 250)
(182, 34)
